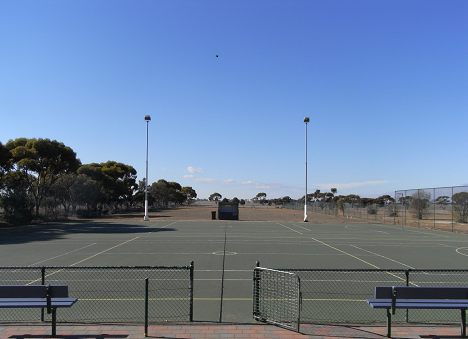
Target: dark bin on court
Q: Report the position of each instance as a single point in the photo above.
(228, 210)
(213, 215)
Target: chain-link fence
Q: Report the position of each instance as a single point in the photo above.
(339, 295)
(443, 208)
(276, 297)
(109, 294)
(370, 212)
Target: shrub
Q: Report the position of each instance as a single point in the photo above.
(371, 210)
(419, 204)
(460, 206)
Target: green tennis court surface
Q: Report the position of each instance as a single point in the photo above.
(235, 244)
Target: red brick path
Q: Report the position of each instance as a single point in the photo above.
(220, 331)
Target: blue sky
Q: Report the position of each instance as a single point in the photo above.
(385, 84)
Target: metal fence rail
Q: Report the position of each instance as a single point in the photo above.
(339, 295)
(114, 294)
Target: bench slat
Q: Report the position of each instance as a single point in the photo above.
(440, 306)
(37, 304)
(33, 291)
(409, 292)
(446, 301)
(4, 300)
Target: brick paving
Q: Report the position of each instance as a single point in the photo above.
(222, 331)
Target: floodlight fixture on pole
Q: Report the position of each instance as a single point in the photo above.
(146, 218)
(306, 219)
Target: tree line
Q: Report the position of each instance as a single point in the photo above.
(317, 196)
(43, 175)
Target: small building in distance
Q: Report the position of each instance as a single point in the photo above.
(228, 210)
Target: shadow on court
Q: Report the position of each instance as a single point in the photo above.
(46, 232)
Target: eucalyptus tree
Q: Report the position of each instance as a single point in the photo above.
(189, 194)
(4, 162)
(164, 191)
(215, 197)
(39, 163)
(86, 191)
(159, 191)
(261, 197)
(117, 181)
(175, 194)
(353, 199)
(15, 199)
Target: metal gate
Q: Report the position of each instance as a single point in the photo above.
(277, 297)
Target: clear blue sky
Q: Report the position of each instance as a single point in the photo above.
(385, 84)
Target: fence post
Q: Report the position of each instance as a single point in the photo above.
(191, 289)
(451, 208)
(418, 211)
(256, 298)
(146, 306)
(407, 284)
(42, 283)
(434, 206)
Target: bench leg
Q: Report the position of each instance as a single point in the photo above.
(389, 323)
(54, 322)
(463, 323)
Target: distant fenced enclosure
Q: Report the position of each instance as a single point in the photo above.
(442, 208)
(370, 212)
(109, 294)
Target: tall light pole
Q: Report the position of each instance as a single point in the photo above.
(146, 218)
(306, 120)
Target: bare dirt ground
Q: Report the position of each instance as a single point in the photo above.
(247, 213)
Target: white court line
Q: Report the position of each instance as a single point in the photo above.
(225, 279)
(224, 270)
(62, 254)
(410, 230)
(379, 255)
(289, 228)
(172, 223)
(365, 229)
(211, 253)
(302, 227)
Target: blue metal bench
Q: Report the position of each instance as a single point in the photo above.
(393, 297)
(49, 297)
